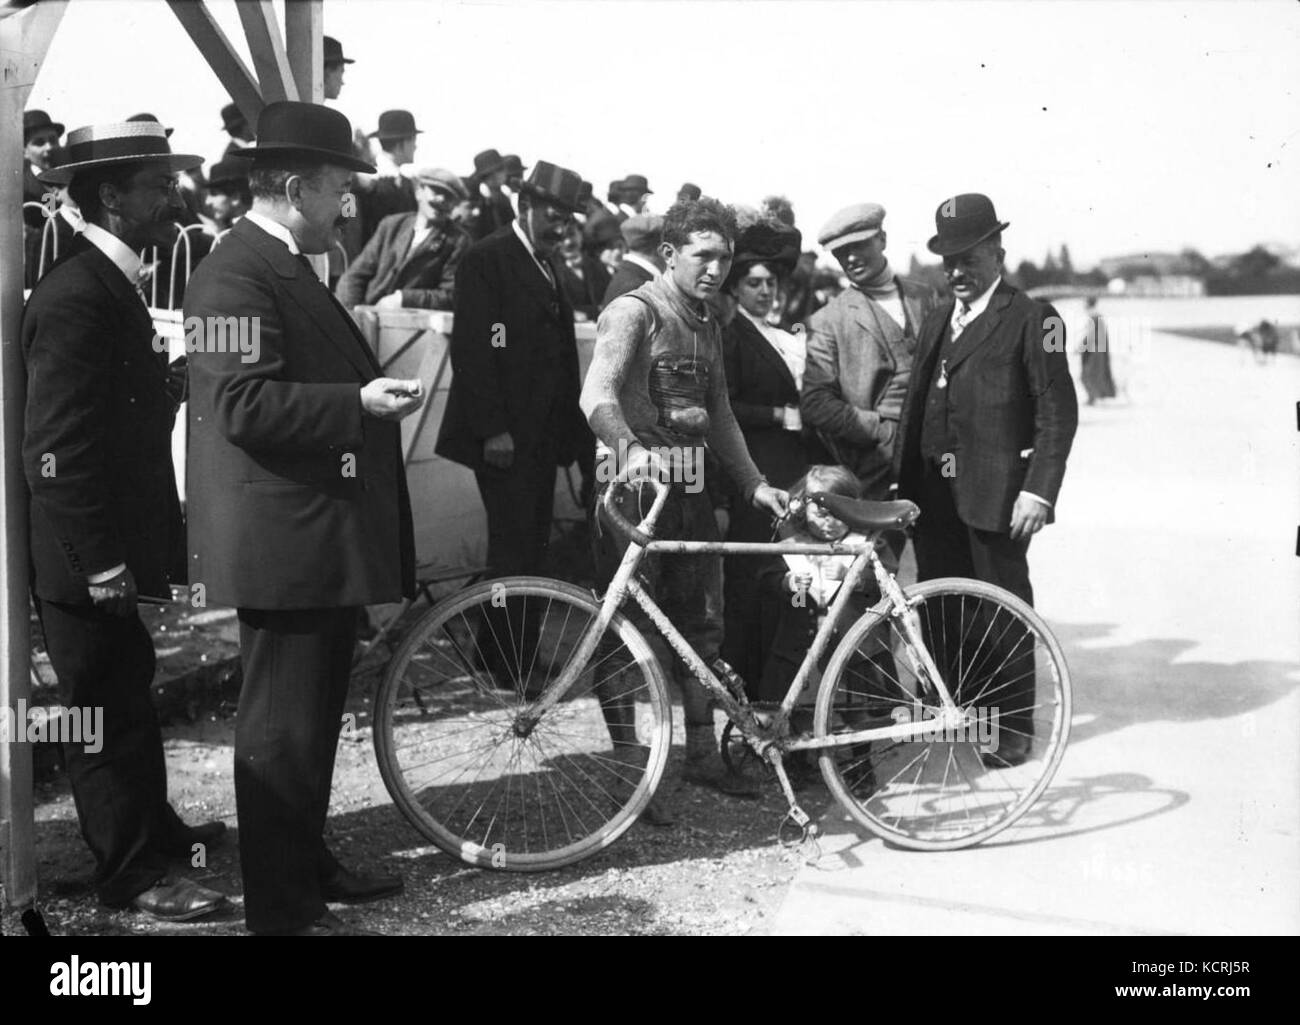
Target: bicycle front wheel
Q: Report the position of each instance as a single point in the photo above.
(955, 785)
(472, 766)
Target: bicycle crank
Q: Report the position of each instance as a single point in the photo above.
(796, 818)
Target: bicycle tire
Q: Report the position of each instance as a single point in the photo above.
(892, 787)
(569, 789)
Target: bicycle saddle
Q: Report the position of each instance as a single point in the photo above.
(868, 516)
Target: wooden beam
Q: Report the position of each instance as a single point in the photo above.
(225, 63)
(24, 41)
(304, 36)
(267, 47)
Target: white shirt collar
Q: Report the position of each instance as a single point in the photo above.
(642, 262)
(386, 166)
(977, 307)
(127, 261)
(519, 233)
(274, 229)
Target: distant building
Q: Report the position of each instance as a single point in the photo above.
(1152, 274)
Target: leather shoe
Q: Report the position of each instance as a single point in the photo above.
(344, 887)
(1013, 749)
(207, 833)
(178, 900)
(329, 924)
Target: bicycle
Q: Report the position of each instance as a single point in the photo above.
(525, 723)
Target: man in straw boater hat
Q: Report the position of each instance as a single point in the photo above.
(987, 425)
(299, 514)
(106, 529)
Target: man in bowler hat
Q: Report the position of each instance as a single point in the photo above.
(987, 425)
(390, 191)
(299, 513)
(105, 522)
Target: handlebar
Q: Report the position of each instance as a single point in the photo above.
(643, 532)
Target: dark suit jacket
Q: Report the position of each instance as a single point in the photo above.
(297, 500)
(385, 197)
(1009, 390)
(757, 381)
(585, 292)
(97, 449)
(859, 364)
(513, 333)
(628, 277)
(426, 277)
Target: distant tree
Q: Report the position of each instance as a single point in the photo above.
(1067, 266)
(1028, 275)
(1257, 263)
(1195, 263)
(1051, 273)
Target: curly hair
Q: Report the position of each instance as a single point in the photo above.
(687, 217)
(834, 480)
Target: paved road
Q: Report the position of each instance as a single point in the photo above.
(1172, 581)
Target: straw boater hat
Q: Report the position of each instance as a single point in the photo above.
(125, 142)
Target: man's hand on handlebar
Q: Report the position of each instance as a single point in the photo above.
(774, 500)
(642, 465)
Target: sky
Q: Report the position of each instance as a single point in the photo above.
(1113, 127)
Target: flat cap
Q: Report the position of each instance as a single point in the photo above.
(642, 231)
(441, 178)
(855, 223)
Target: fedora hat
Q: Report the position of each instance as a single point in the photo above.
(333, 51)
(126, 142)
(150, 117)
(232, 171)
(962, 222)
(554, 184)
(232, 119)
(487, 162)
(637, 183)
(395, 124)
(289, 128)
(35, 120)
(689, 192)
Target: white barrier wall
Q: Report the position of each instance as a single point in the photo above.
(450, 525)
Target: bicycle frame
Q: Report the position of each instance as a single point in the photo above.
(893, 602)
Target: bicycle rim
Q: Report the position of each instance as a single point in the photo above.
(467, 768)
(950, 788)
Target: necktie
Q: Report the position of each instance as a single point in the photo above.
(959, 325)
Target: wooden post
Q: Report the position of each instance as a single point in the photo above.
(228, 66)
(304, 38)
(24, 41)
(267, 47)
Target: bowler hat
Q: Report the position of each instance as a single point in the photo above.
(513, 165)
(441, 178)
(962, 222)
(232, 119)
(232, 171)
(554, 184)
(689, 192)
(333, 50)
(35, 120)
(395, 124)
(637, 183)
(150, 117)
(289, 128)
(643, 231)
(855, 223)
(126, 142)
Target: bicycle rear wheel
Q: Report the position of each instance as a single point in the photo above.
(955, 787)
(475, 771)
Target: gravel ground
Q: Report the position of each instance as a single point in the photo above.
(719, 870)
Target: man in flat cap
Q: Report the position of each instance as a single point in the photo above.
(299, 513)
(643, 233)
(987, 426)
(860, 350)
(411, 260)
(105, 522)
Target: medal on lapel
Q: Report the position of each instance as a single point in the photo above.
(943, 375)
